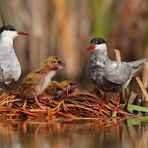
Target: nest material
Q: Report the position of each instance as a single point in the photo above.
(79, 104)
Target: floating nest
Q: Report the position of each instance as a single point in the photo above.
(79, 104)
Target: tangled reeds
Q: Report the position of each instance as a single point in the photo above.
(79, 104)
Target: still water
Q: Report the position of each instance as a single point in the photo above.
(101, 133)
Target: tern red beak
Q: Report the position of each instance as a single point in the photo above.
(91, 47)
(22, 33)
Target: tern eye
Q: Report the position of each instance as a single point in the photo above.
(96, 42)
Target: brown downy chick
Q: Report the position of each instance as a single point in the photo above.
(68, 86)
(60, 89)
(53, 89)
(35, 83)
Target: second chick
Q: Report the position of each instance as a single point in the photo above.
(60, 89)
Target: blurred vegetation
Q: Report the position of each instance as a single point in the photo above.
(64, 28)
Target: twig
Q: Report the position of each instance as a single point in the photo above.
(142, 86)
(118, 55)
(145, 77)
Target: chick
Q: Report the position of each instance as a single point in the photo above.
(60, 89)
(35, 83)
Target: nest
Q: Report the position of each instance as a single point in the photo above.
(79, 104)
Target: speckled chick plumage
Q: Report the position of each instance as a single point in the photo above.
(60, 89)
(35, 83)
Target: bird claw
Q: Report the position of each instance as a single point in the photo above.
(39, 104)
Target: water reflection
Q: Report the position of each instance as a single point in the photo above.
(102, 133)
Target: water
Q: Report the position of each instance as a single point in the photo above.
(102, 133)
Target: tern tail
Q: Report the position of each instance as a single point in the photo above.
(137, 66)
(138, 62)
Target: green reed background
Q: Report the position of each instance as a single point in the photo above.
(64, 28)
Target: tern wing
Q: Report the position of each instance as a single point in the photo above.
(118, 72)
(9, 67)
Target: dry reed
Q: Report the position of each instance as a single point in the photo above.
(79, 104)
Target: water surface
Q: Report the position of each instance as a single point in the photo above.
(102, 133)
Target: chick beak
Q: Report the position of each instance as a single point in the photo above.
(62, 64)
(91, 47)
(22, 33)
(72, 86)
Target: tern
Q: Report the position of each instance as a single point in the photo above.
(108, 75)
(10, 68)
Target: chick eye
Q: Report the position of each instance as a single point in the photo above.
(66, 86)
(54, 62)
(58, 89)
(54, 89)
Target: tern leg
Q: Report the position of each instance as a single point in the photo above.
(118, 103)
(38, 103)
(126, 104)
(10, 89)
(122, 97)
